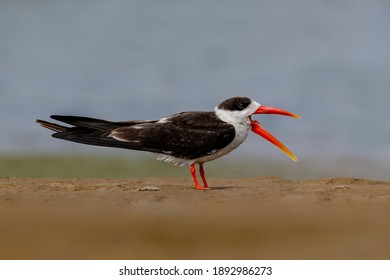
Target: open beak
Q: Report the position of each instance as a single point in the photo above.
(259, 130)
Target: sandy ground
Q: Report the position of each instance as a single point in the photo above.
(161, 218)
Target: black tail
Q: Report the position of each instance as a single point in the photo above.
(91, 131)
(51, 126)
(88, 122)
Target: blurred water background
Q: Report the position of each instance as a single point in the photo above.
(327, 61)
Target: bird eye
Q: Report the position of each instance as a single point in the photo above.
(241, 106)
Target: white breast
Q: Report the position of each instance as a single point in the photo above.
(241, 125)
(241, 134)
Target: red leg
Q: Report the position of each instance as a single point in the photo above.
(193, 172)
(201, 171)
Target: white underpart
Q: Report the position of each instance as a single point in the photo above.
(175, 160)
(240, 121)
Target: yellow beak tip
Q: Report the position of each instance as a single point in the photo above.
(294, 158)
(291, 155)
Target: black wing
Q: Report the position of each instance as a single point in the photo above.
(186, 135)
(90, 131)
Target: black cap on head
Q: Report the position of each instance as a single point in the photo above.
(235, 103)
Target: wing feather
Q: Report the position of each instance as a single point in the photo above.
(185, 135)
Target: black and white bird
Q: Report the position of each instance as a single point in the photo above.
(184, 139)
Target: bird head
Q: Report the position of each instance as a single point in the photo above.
(243, 108)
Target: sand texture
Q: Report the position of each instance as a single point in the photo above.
(165, 218)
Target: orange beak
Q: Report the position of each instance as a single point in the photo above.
(259, 130)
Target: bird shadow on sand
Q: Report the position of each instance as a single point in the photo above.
(221, 188)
